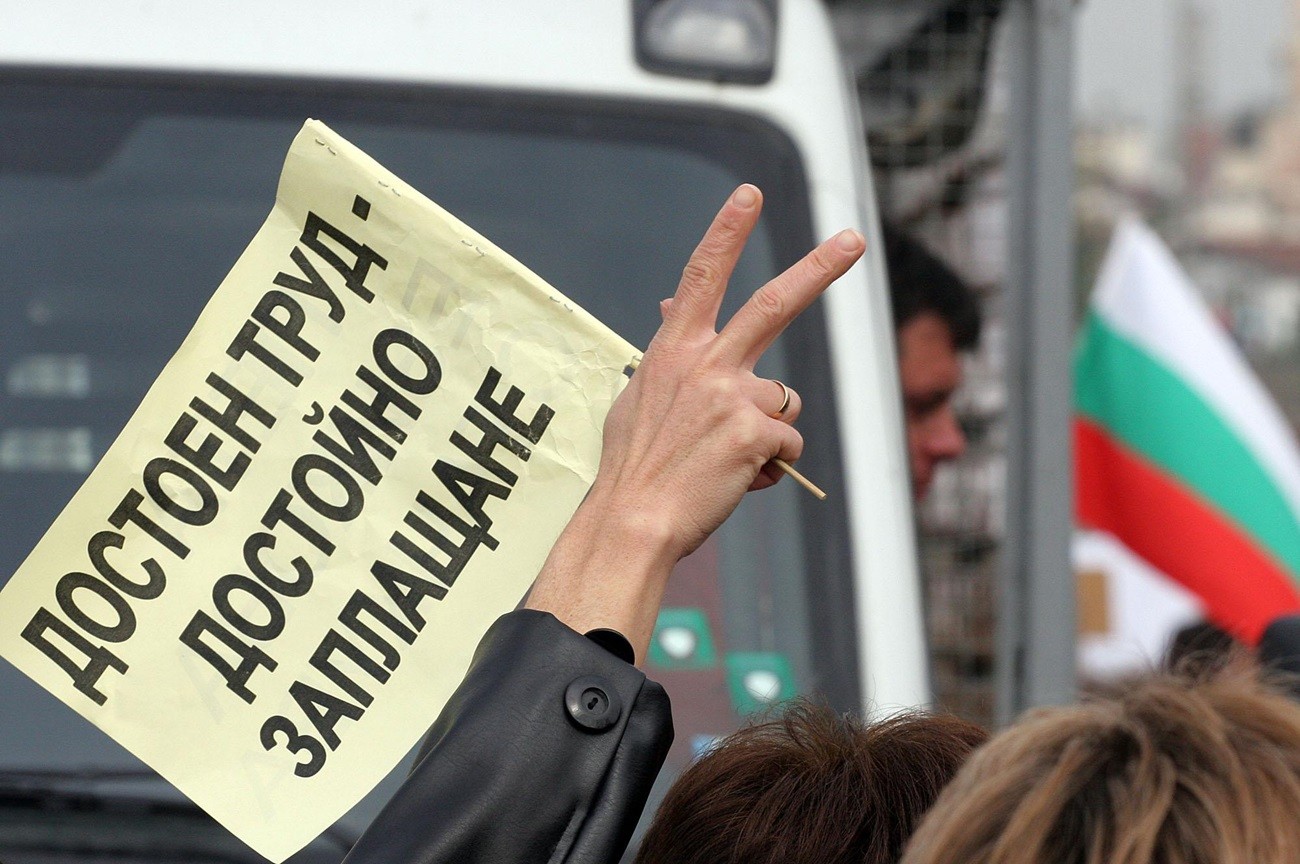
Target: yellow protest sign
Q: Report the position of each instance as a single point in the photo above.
(358, 458)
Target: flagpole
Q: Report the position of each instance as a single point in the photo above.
(1036, 633)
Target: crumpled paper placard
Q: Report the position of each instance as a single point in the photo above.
(357, 460)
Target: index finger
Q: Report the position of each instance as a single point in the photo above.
(694, 308)
(771, 308)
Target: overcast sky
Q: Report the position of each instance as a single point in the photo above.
(1126, 52)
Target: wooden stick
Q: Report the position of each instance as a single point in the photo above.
(800, 479)
(780, 463)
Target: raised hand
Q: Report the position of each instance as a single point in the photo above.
(692, 432)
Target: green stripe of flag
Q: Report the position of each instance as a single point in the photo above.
(1154, 413)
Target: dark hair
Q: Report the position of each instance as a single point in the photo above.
(919, 282)
(810, 786)
(1200, 647)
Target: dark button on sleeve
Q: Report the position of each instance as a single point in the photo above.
(593, 703)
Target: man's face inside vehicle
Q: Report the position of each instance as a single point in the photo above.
(930, 372)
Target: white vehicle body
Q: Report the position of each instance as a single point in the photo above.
(580, 49)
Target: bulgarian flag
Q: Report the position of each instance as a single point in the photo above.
(1179, 452)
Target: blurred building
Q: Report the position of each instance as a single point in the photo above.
(1240, 238)
(1224, 194)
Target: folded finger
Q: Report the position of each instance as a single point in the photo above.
(771, 309)
(775, 399)
(790, 448)
(791, 407)
(694, 308)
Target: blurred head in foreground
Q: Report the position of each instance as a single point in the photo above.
(811, 786)
(936, 316)
(1200, 648)
(1165, 770)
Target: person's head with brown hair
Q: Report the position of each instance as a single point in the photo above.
(809, 786)
(1166, 770)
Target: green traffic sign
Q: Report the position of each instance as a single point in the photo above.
(683, 639)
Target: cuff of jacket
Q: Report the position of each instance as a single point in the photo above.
(546, 752)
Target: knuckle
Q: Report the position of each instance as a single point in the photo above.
(794, 446)
(822, 263)
(747, 431)
(720, 391)
(726, 230)
(701, 271)
(770, 304)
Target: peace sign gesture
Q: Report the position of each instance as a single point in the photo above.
(692, 432)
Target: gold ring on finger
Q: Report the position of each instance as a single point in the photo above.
(785, 401)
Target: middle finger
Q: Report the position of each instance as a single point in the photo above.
(771, 308)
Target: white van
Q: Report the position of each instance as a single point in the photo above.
(140, 143)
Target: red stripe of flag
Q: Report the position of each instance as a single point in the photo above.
(1178, 533)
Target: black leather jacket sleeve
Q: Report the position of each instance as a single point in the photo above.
(545, 753)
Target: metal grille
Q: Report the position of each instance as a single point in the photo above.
(936, 139)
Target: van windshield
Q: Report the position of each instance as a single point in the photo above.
(124, 200)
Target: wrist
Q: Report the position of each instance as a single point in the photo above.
(649, 539)
(608, 569)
